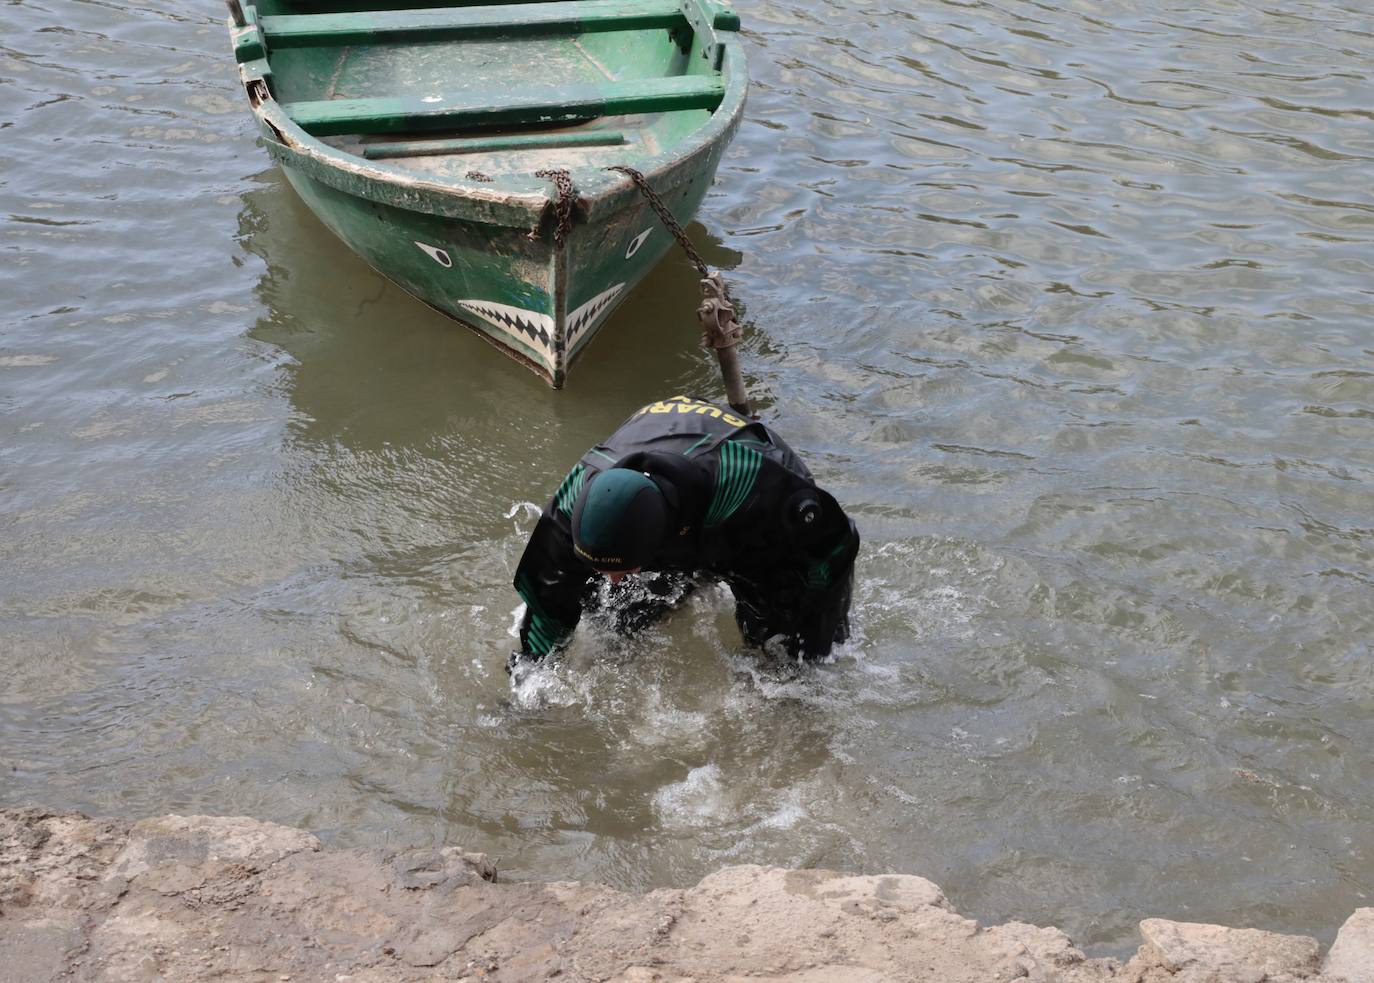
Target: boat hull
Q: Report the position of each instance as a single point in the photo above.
(537, 301)
(488, 251)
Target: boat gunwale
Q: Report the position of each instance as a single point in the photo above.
(599, 192)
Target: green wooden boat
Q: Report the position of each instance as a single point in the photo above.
(417, 130)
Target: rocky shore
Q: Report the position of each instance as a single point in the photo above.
(209, 898)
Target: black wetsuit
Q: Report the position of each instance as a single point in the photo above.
(742, 508)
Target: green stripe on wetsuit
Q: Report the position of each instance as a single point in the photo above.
(569, 490)
(818, 572)
(735, 478)
(543, 633)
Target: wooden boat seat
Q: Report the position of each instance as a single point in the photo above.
(469, 23)
(484, 145)
(511, 106)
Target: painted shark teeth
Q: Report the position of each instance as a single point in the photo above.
(587, 315)
(536, 326)
(539, 327)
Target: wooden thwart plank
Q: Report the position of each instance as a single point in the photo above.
(469, 23)
(512, 106)
(367, 6)
(478, 145)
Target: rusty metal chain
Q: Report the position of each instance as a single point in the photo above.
(716, 313)
(664, 216)
(562, 207)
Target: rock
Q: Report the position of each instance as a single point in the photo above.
(37, 948)
(193, 841)
(1351, 959)
(232, 899)
(1188, 952)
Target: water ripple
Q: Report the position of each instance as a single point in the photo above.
(1070, 305)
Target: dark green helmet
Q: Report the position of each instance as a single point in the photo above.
(618, 520)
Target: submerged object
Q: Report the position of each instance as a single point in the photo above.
(462, 149)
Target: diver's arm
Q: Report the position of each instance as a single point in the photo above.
(815, 544)
(550, 578)
(829, 557)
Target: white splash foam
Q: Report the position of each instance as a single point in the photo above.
(526, 511)
(697, 800)
(537, 687)
(661, 724)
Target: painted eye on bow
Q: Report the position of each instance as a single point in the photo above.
(636, 242)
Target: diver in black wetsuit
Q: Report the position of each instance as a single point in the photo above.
(685, 488)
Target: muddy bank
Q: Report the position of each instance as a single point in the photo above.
(207, 898)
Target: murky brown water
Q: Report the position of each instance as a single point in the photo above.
(1071, 303)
